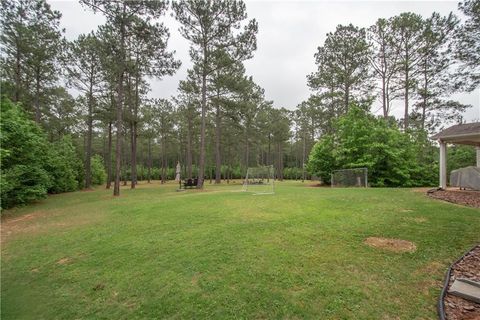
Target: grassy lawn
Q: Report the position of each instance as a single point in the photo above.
(157, 253)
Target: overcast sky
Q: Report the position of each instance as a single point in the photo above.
(288, 37)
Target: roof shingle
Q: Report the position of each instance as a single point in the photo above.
(459, 130)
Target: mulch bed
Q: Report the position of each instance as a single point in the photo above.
(457, 308)
(463, 197)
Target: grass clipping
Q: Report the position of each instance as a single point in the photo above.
(395, 245)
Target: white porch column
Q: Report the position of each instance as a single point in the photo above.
(443, 165)
(478, 157)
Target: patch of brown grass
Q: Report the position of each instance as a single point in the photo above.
(424, 273)
(63, 261)
(430, 268)
(195, 279)
(394, 245)
(41, 221)
(11, 225)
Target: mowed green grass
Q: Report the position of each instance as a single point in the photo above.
(220, 254)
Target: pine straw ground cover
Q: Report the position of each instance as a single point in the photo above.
(301, 253)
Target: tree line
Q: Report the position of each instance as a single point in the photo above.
(420, 62)
(219, 123)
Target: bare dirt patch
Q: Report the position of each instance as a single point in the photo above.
(65, 260)
(394, 245)
(462, 197)
(457, 308)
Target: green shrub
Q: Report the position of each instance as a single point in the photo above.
(63, 166)
(361, 140)
(321, 161)
(32, 166)
(24, 153)
(99, 175)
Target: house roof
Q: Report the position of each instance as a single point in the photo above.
(467, 133)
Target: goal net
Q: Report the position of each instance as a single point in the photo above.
(260, 180)
(357, 177)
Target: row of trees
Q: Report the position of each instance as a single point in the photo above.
(220, 122)
(406, 58)
(219, 119)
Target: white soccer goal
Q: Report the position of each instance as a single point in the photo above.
(357, 177)
(260, 180)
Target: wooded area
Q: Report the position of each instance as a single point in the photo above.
(220, 122)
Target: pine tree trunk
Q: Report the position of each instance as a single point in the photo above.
(280, 153)
(303, 157)
(218, 160)
(269, 154)
(133, 168)
(88, 159)
(141, 162)
(425, 96)
(247, 149)
(118, 142)
(134, 135)
(109, 156)
(189, 148)
(210, 173)
(405, 121)
(279, 163)
(384, 98)
(125, 160)
(227, 169)
(201, 164)
(149, 159)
